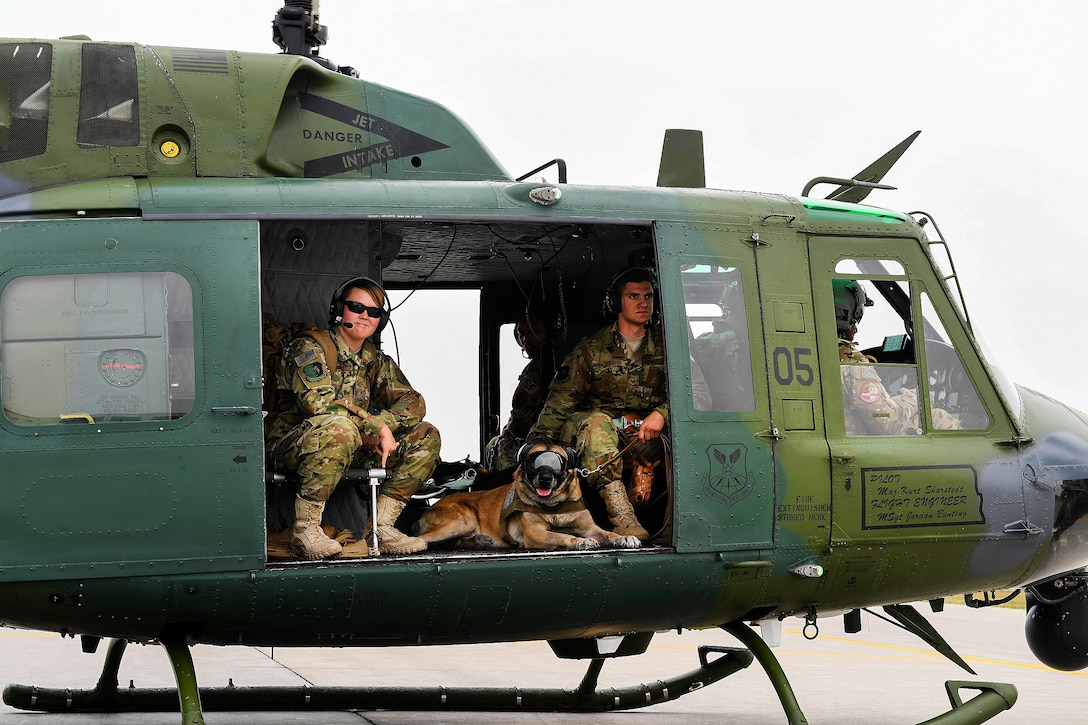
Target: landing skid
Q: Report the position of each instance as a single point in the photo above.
(108, 697)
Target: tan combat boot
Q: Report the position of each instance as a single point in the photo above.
(308, 541)
(620, 513)
(391, 541)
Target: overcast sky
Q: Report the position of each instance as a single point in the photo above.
(784, 90)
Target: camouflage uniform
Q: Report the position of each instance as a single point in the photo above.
(870, 410)
(338, 413)
(700, 392)
(728, 376)
(597, 383)
(525, 405)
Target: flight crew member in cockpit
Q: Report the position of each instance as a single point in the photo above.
(358, 408)
(612, 386)
(869, 408)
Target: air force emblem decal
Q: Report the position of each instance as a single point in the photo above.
(729, 479)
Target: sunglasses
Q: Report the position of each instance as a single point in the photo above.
(375, 313)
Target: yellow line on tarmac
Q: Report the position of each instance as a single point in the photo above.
(923, 654)
(932, 653)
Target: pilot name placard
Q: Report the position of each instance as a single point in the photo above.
(920, 496)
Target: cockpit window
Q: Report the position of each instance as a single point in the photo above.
(24, 99)
(109, 106)
(880, 339)
(92, 348)
(876, 357)
(950, 388)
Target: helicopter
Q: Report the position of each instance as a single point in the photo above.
(167, 228)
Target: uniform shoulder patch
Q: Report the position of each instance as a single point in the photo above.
(314, 372)
(305, 357)
(869, 374)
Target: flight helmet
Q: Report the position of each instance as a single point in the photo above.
(850, 303)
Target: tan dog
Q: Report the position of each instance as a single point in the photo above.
(541, 509)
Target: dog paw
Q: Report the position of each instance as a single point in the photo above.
(628, 542)
(483, 541)
(584, 544)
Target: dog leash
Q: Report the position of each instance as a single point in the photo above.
(586, 473)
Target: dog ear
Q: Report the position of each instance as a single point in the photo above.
(572, 457)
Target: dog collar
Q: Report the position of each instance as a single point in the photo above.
(513, 503)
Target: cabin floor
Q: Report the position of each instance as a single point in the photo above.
(347, 510)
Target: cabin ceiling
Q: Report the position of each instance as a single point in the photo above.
(303, 260)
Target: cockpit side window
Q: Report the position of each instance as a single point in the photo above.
(24, 99)
(951, 391)
(109, 103)
(879, 377)
(879, 352)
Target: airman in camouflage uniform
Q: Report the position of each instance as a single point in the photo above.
(869, 408)
(528, 398)
(357, 410)
(722, 359)
(601, 381)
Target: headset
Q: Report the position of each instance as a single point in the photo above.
(610, 305)
(336, 304)
(527, 467)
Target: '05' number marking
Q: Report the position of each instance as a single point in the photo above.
(792, 365)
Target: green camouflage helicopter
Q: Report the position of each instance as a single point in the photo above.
(162, 208)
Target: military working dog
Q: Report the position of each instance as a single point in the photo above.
(541, 509)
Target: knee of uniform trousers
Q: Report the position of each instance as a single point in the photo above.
(328, 446)
(422, 435)
(412, 463)
(591, 434)
(420, 441)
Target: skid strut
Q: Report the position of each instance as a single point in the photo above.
(993, 697)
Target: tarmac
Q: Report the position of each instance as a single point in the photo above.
(881, 675)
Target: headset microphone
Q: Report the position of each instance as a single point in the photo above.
(348, 325)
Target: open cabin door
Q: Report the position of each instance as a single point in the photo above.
(917, 434)
(130, 438)
(724, 483)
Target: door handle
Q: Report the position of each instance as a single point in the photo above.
(236, 409)
(844, 456)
